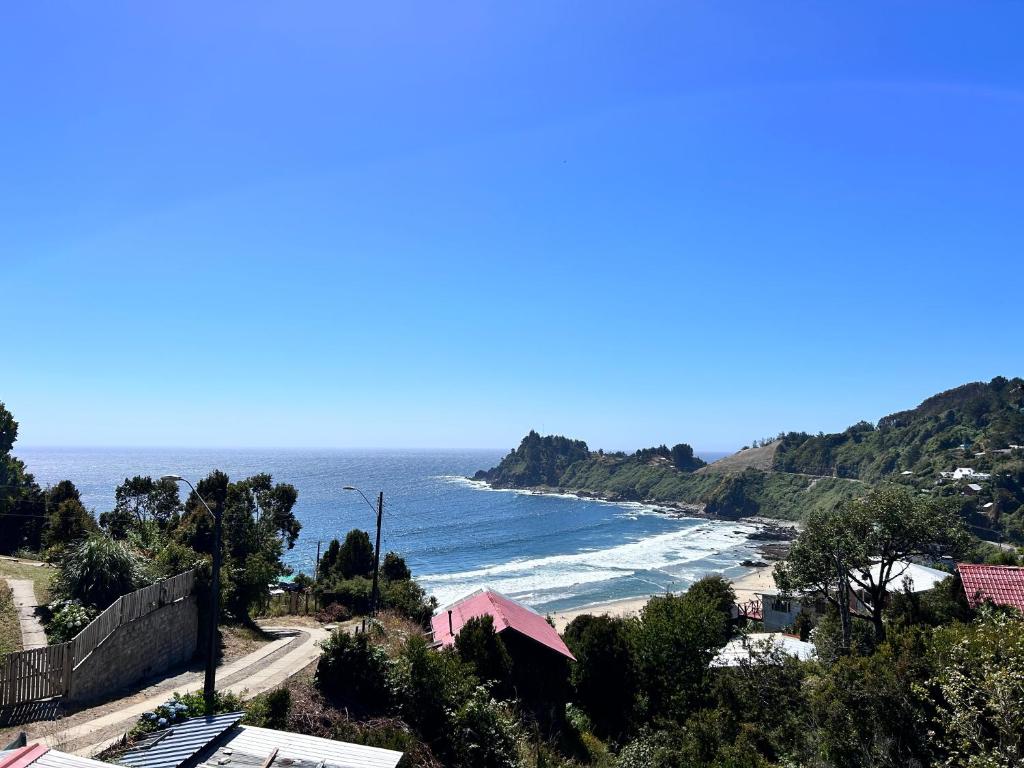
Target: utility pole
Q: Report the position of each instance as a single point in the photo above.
(210, 681)
(376, 556)
(316, 578)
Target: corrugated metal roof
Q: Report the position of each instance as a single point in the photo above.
(179, 743)
(55, 759)
(261, 742)
(40, 756)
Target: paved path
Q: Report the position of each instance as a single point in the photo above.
(251, 674)
(24, 593)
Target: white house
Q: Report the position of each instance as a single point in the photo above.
(780, 611)
(965, 473)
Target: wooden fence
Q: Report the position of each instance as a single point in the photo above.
(43, 673)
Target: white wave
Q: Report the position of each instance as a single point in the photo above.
(672, 550)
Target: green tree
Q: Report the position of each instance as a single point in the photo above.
(22, 502)
(978, 692)
(820, 561)
(604, 677)
(863, 543)
(394, 568)
(900, 525)
(329, 561)
(257, 524)
(683, 458)
(68, 523)
(676, 639)
(716, 591)
(355, 673)
(140, 501)
(355, 557)
(480, 646)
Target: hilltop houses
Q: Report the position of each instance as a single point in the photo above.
(965, 473)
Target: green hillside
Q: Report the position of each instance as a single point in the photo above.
(664, 476)
(976, 425)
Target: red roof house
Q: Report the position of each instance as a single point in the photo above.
(1002, 584)
(509, 617)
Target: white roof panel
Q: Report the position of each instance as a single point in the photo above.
(921, 578)
(739, 649)
(56, 759)
(297, 746)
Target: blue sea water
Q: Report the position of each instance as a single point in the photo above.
(552, 552)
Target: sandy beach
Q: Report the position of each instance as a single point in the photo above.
(746, 588)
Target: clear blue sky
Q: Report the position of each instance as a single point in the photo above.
(443, 224)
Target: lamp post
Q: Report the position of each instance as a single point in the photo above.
(210, 682)
(376, 551)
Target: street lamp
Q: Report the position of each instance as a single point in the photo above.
(376, 552)
(210, 682)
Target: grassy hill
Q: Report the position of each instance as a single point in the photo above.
(971, 426)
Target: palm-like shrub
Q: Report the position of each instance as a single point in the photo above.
(98, 571)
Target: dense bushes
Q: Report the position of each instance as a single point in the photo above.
(345, 578)
(434, 692)
(98, 571)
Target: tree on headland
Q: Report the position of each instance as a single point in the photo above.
(683, 458)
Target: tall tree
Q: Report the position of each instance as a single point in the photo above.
(676, 639)
(138, 501)
(860, 545)
(355, 558)
(604, 677)
(819, 563)
(899, 525)
(22, 502)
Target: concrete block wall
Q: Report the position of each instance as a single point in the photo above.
(155, 643)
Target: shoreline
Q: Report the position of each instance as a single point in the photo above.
(771, 541)
(746, 587)
(672, 508)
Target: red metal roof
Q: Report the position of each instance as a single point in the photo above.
(506, 613)
(1002, 584)
(25, 756)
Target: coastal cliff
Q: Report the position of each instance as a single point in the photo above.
(978, 425)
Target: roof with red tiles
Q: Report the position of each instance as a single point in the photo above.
(506, 613)
(1002, 584)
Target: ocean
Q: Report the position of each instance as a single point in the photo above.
(553, 552)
